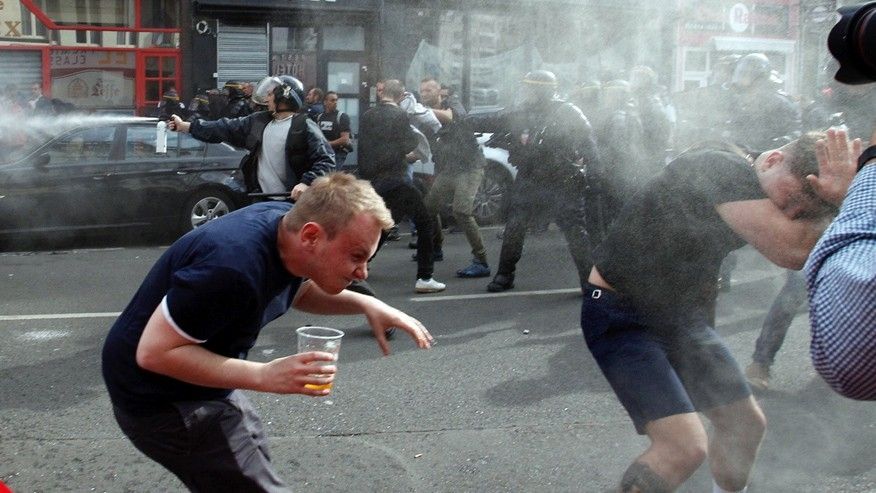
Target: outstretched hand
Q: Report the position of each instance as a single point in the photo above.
(382, 317)
(837, 165)
(177, 124)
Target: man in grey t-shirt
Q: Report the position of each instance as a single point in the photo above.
(287, 150)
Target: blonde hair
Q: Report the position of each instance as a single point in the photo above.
(333, 200)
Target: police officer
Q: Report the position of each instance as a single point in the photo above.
(550, 142)
(199, 107)
(237, 104)
(762, 116)
(169, 106)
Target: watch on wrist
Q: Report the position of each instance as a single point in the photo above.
(866, 156)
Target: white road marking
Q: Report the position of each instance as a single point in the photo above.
(55, 316)
(497, 295)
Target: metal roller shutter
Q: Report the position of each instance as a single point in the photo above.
(242, 53)
(21, 68)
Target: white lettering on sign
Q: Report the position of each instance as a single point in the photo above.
(739, 18)
(92, 59)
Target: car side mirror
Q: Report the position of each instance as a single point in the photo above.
(42, 161)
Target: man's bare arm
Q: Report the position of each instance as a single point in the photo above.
(444, 116)
(165, 351)
(311, 298)
(783, 241)
(341, 141)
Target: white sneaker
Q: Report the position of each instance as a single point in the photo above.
(429, 286)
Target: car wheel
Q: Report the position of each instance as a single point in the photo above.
(489, 203)
(204, 206)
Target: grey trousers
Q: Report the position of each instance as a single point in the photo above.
(215, 445)
(459, 188)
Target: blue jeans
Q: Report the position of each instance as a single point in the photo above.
(781, 314)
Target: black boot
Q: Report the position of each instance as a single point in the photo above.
(501, 283)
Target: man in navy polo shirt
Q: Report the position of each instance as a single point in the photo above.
(173, 360)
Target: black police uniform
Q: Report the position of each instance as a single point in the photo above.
(551, 145)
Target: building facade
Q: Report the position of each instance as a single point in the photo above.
(481, 49)
(122, 55)
(98, 55)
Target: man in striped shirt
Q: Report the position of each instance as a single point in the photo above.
(841, 272)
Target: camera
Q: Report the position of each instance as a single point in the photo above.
(851, 42)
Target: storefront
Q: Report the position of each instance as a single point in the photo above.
(327, 44)
(484, 48)
(481, 49)
(98, 55)
(711, 29)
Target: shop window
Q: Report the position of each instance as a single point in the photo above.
(93, 79)
(347, 38)
(160, 13)
(343, 77)
(293, 52)
(285, 39)
(91, 12)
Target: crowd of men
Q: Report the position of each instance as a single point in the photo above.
(648, 229)
(17, 103)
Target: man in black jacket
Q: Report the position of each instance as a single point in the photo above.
(287, 151)
(237, 105)
(385, 138)
(551, 143)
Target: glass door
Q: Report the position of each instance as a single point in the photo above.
(344, 63)
(157, 73)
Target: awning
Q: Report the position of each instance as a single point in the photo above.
(731, 43)
(281, 5)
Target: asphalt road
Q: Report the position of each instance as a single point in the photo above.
(489, 408)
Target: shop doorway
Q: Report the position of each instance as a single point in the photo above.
(333, 54)
(157, 73)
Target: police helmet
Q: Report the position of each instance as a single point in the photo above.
(643, 79)
(286, 89)
(234, 89)
(751, 68)
(170, 96)
(539, 86)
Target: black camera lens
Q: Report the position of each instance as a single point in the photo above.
(851, 42)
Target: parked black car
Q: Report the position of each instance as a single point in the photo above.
(85, 175)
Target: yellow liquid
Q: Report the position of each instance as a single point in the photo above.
(325, 386)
